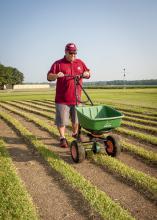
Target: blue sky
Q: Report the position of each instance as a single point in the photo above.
(110, 35)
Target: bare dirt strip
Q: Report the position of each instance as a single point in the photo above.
(124, 193)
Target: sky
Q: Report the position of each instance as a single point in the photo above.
(111, 35)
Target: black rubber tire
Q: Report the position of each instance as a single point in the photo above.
(112, 145)
(77, 152)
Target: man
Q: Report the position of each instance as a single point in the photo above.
(65, 89)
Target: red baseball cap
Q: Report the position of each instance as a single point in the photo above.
(70, 47)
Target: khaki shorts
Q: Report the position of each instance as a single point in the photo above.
(63, 113)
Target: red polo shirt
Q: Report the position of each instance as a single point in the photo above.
(65, 88)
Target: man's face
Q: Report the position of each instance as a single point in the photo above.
(70, 55)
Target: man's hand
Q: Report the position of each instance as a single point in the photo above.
(86, 74)
(60, 74)
(53, 77)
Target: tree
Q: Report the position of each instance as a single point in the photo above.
(10, 76)
(2, 76)
(15, 77)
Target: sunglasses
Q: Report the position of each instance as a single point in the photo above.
(72, 53)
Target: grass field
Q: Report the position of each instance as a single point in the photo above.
(109, 186)
(139, 97)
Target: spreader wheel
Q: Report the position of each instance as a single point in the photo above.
(77, 152)
(112, 145)
(95, 148)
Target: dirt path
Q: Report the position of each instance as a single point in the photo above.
(53, 197)
(120, 191)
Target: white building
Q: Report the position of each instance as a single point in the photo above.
(32, 86)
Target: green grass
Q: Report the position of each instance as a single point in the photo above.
(148, 155)
(42, 103)
(140, 101)
(139, 97)
(145, 128)
(26, 95)
(140, 116)
(30, 109)
(139, 120)
(139, 135)
(98, 199)
(146, 138)
(145, 154)
(145, 111)
(138, 178)
(36, 106)
(15, 203)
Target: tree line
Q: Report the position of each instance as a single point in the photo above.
(10, 76)
(149, 82)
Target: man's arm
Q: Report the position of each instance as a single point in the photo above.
(53, 76)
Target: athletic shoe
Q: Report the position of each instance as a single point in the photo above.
(74, 136)
(63, 143)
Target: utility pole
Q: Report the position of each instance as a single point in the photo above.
(124, 75)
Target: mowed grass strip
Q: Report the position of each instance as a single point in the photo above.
(129, 108)
(140, 110)
(139, 151)
(43, 102)
(51, 129)
(38, 106)
(145, 128)
(147, 138)
(31, 109)
(143, 181)
(147, 155)
(140, 116)
(139, 120)
(98, 199)
(15, 202)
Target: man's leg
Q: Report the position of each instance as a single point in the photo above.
(74, 120)
(74, 128)
(63, 141)
(62, 115)
(61, 130)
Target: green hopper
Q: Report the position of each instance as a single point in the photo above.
(98, 119)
